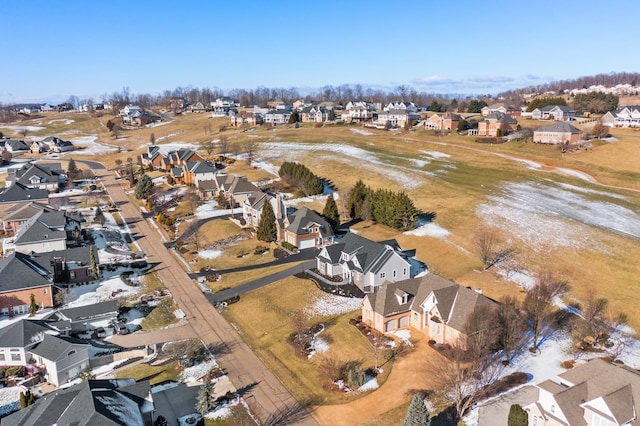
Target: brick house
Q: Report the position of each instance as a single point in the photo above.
(433, 305)
(557, 133)
(497, 124)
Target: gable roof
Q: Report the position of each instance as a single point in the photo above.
(19, 192)
(44, 225)
(48, 173)
(454, 302)
(90, 311)
(53, 348)
(302, 218)
(559, 127)
(93, 402)
(501, 117)
(22, 334)
(24, 211)
(18, 272)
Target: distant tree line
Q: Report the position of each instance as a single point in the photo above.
(597, 102)
(301, 177)
(543, 102)
(394, 209)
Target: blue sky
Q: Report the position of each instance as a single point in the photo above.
(51, 50)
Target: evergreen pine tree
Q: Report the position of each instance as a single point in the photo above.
(144, 187)
(99, 217)
(72, 171)
(94, 266)
(205, 401)
(23, 400)
(33, 307)
(31, 398)
(267, 230)
(517, 416)
(331, 211)
(417, 414)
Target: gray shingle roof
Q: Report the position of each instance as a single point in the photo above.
(559, 127)
(43, 226)
(301, 219)
(19, 192)
(94, 402)
(18, 271)
(53, 347)
(90, 311)
(22, 334)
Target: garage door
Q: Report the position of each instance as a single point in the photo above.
(389, 326)
(306, 244)
(404, 322)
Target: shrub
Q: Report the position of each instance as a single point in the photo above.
(289, 246)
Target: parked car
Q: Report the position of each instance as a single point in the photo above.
(121, 329)
(100, 332)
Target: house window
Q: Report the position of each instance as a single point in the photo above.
(44, 291)
(15, 357)
(72, 274)
(394, 273)
(1, 356)
(383, 275)
(71, 353)
(535, 421)
(404, 272)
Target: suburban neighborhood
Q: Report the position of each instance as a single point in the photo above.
(219, 231)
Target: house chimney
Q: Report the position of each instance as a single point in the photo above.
(478, 290)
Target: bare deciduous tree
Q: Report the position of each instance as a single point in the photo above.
(490, 250)
(510, 326)
(183, 349)
(249, 149)
(538, 303)
(223, 145)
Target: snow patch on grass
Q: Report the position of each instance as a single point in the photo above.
(428, 229)
(436, 154)
(193, 374)
(362, 132)
(329, 304)
(209, 253)
(10, 399)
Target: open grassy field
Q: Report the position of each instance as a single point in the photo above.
(465, 184)
(155, 374)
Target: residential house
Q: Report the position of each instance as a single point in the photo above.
(497, 124)
(225, 102)
(314, 114)
(595, 393)
(18, 339)
(557, 133)
(554, 112)
(47, 231)
(199, 171)
(19, 279)
(358, 111)
(61, 359)
(92, 402)
(49, 176)
(129, 109)
(243, 118)
(490, 109)
(628, 116)
(198, 107)
(403, 106)
(46, 108)
(514, 112)
(365, 263)
(152, 152)
(397, 117)
(277, 116)
(77, 265)
(38, 147)
(57, 145)
(253, 205)
(433, 305)
(174, 400)
(84, 318)
(19, 213)
(305, 228)
(19, 193)
(207, 189)
(445, 121)
(13, 145)
(236, 189)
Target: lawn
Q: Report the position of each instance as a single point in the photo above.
(161, 316)
(270, 325)
(235, 279)
(155, 374)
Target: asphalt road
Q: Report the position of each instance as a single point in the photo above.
(267, 398)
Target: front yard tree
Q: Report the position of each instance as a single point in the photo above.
(417, 414)
(330, 211)
(209, 147)
(517, 416)
(267, 226)
(489, 248)
(538, 303)
(250, 150)
(152, 139)
(144, 187)
(511, 326)
(600, 130)
(73, 170)
(99, 216)
(206, 398)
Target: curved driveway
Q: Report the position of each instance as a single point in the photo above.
(267, 398)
